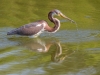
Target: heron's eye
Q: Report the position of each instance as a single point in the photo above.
(54, 13)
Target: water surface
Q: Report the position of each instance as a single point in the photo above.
(67, 52)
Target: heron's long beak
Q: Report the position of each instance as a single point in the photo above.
(66, 17)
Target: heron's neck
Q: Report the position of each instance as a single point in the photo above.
(56, 23)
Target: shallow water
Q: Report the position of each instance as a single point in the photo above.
(70, 51)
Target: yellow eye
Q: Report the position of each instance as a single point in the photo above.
(59, 14)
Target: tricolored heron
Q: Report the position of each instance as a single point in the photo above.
(36, 28)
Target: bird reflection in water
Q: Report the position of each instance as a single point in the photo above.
(37, 45)
(44, 46)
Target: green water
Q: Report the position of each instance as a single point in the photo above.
(70, 51)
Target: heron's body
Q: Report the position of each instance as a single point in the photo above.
(31, 29)
(36, 28)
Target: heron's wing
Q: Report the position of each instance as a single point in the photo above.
(28, 29)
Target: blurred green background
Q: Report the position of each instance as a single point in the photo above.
(67, 52)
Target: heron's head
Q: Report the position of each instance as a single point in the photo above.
(59, 13)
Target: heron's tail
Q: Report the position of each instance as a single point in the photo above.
(12, 32)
